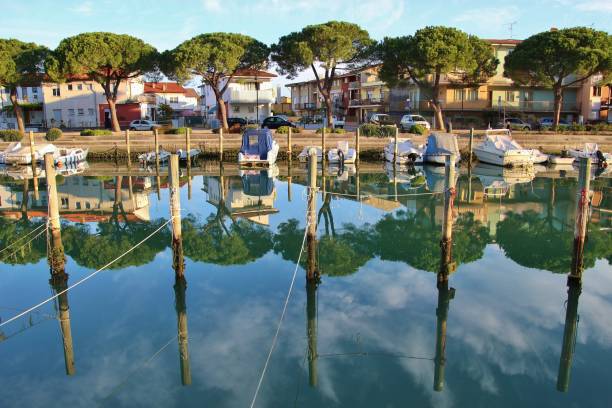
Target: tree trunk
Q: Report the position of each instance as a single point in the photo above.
(438, 114)
(114, 121)
(221, 111)
(328, 107)
(558, 103)
(18, 111)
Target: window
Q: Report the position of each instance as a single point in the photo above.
(597, 91)
(80, 87)
(174, 99)
(56, 92)
(235, 108)
(251, 109)
(90, 87)
(70, 87)
(78, 205)
(81, 111)
(472, 95)
(87, 205)
(510, 96)
(70, 112)
(459, 95)
(90, 111)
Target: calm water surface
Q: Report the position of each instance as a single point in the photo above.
(375, 329)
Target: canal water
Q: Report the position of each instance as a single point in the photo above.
(379, 315)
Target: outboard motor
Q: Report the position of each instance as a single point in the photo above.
(601, 159)
(341, 157)
(413, 157)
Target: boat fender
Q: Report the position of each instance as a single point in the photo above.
(601, 158)
(59, 164)
(341, 158)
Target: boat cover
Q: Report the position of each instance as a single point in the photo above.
(257, 183)
(503, 142)
(591, 148)
(442, 143)
(263, 145)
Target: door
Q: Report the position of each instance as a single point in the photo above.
(57, 117)
(107, 119)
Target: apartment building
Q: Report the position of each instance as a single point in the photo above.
(361, 93)
(250, 92)
(30, 99)
(183, 101)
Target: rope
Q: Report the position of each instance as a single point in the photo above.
(85, 278)
(25, 236)
(27, 243)
(366, 195)
(263, 373)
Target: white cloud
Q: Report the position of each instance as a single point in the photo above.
(86, 8)
(212, 5)
(596, 6)
(489, 15)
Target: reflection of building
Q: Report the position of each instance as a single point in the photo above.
(83, 199)
(251, 196)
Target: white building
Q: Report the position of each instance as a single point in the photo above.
(184, 101)
(242, 96)
(31, 100)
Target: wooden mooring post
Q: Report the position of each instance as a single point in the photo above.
(56, 254)
(582, 217)
(34, 166)
(188, 148)
(323, 131)
(127, 147)
(289, 135)
(175, 213)
(395, 146)
(221, 144)
(289, 178)
(312, 273)
(357, 137)
(180, 287)
(158, 178)
(569, 335)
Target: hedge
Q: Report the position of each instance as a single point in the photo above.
(176, 131)
(53, 134)
(370, 129)
(96, 132)
(328, 130)
(418, 129)
(285, 129)
(11, 135)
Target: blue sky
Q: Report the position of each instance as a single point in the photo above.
(165, 24)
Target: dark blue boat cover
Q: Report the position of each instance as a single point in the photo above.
(257, 184)
(263, 145)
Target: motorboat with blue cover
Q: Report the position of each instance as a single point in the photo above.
(258, 148)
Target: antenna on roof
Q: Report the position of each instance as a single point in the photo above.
(511, 27)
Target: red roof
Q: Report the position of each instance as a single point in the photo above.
(254, 72)
(163, 87)
(507, 41)
(191, 93)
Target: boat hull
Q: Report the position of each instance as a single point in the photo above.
(561, 160)
(505, 159)
(245, 160)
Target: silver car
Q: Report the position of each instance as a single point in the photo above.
(143, 125)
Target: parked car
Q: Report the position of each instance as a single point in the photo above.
(338, 122)
(409, 121)
(236, 121)
(274, 122)
(144, 125)
(381, 119)
(548, 122)
(514, 123)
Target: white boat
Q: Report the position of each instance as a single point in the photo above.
(71, 156)
(193, 153)
(342, 153)
(412, 176)
(497, 181)
(561, 160)
(592, 151)
(406, 152)
(258, 148)
(500, 149)
(303, 156)
(538, 157)
(23, 155)
(13, 147)
(150, 157)
(439, 146)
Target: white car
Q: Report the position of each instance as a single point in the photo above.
(143, 125)
(338, 122)
(409, 121)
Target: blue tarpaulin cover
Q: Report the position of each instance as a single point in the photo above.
(263, 145)
(257, 184)
(442, 143)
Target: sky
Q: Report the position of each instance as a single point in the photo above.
(165, 24)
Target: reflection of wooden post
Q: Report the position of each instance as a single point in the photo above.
(188, 147)
(357, 135)
(323, 144)
(156, 134)
(289, 134)
(289, 179)
(569, 335)
(175, 213)
(127, 146)
(444, 297)
(311, 330)
(59, 283)
(221, 144)
(34, 166)
(449, 194)
(56, 254)
(180, 287)
(582, 215)
(395, 146)
(312, 214)
(131, 193)
(357, 182)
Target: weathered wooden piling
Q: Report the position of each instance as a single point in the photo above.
(582, 216)
(33, 164)
(289, 178)
(312, 214)
(59, 283)
(56, 253)
(323, 131)
(289, 134)
(175, 213)
(188, 147)
(357, 137)
(569, 335)
(221, 144)
(127, 147)
(449, 195)
(395, 146)
(311, 330)
(180, 287)
(444, 297)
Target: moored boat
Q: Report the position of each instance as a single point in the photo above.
(500, 149)
(591, 150)
(13, 147)
(70, 156)
(342, 153)
(150, 157)
(407, 152)
(258, 148)
(439, 145)
(303, 156)
(193, 153)
(23, 155)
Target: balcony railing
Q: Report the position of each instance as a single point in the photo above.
(369, 101)
(306, 106)
(251, 96)
(354, 85)
(484, 104)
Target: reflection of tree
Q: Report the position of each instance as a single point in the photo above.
(420, 239)
(215, 242)
(20, 253)
(533, 242)
(93, 250)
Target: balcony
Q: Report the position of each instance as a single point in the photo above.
(252, 96)
(354, 85)
(376, 101)
(484, 105)
(305, 106)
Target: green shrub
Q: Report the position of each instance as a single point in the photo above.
(252, 126)
(96, 132)
(418, 129)
(576, 127)
(372, 130)
(53, 134)
(328, 130)
(11, 135)
(600, 127)
(176, 131)
(285, 129)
